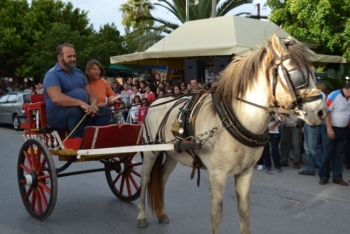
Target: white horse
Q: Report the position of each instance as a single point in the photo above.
(276, 76)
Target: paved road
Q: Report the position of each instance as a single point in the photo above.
(280, 203)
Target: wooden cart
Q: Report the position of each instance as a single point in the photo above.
(118, 147)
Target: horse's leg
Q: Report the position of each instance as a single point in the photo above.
(217, 182)
(242, 184)
(148, 161)
(168, 167)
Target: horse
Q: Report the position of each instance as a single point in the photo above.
(231, 125)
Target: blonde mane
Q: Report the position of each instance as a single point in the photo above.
(243, 70)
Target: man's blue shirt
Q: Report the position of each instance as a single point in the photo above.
(72, 84)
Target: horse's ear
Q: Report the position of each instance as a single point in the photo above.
(279, 48)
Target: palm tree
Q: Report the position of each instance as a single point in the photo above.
(202, 10)
(131, 11)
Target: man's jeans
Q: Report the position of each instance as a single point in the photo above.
(67, 118)
(312, 147)
(334, 152)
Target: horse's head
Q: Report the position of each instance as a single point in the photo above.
(293, 75)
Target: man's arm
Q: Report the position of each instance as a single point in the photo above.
(330, 132)
(58, 98)
(92, 98)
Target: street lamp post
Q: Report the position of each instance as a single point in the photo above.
(213, 8)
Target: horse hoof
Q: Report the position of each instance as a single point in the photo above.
(142, 223)
(163, 219)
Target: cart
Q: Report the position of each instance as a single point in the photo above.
(118, 147)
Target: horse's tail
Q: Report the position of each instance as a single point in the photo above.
(155, 190)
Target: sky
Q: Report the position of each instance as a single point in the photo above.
(107, 11)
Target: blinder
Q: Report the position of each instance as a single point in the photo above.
(295, 80)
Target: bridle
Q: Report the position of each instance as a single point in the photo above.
(296, 80)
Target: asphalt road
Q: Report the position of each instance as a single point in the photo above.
(285, 203)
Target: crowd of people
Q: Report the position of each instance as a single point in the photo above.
(326, 147)
(32, 87)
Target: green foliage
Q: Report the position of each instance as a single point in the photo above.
(325, 24)
(30, 33)
(334, 79)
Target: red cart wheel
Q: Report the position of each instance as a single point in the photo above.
(124, 176)
(37, 179)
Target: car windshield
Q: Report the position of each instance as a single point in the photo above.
(12, 97)
(4, 98)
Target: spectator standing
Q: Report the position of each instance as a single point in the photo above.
(273, 144)
(39, 88)
(143, 111)
(194, 85)
(312, 147)
(126, 95)
(135, 92)
(142, 88)
(149, 95)
(336, 127)
(291, 139)
(177, 90)
(183, 88)
(134, 110)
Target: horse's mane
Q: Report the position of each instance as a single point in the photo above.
(243, 70)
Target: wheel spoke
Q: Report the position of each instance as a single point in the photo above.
(128, 184)
(32, 158)
(121, 187)
(136, 164)
(41, 167)
(38, 202)
(116, 179)
(44, 187)
(135, 172)
(136, 186)
(32, 204)
(29, 191)
(27, 159)
(37, 158)
(43, 177)
(43, 197)
(26, 169)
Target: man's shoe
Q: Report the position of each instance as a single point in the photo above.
(340, 182)
(303, 172)
(323, 182)
(267, 168)
(278, 170)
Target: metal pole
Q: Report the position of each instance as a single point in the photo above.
(258, 9)
(213, 8)
(187, 10)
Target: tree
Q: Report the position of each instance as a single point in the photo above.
(202, 10)
(30, 33)
(132, 10)
(106, 43)
(325, 24)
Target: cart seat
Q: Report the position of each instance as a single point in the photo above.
(97, 137)
(36, 112)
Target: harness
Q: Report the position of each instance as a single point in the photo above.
(183, 127)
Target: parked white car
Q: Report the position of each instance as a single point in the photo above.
(11, 108)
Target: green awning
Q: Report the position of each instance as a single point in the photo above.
(121, 68)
